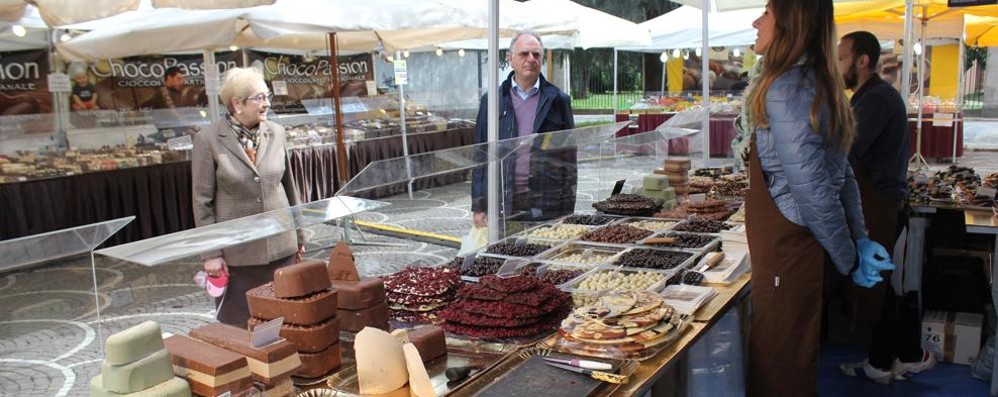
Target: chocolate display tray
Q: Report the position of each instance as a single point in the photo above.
(525, 374)
(345, 380)
(558, 343)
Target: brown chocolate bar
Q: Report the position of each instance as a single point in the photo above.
(315, 365)
(275, 361)
(429, 341)
(308, 310)
(307, 338)
(300, 280)
(341, 263)
(355, 295)
(209, 369)
(355, 320)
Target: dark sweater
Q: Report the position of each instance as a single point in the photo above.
(882, 138)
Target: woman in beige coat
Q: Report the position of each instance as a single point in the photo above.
(240, 168)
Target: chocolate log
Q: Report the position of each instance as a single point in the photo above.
(210, 370)
(307, 310)
(307, 338)
(315, 365)
(302, 279)
(356, 295)
(272, 362)
(429, 341)
(355, 320)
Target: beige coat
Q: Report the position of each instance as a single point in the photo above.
(227, 186)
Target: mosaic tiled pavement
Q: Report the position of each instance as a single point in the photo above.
(50, 340)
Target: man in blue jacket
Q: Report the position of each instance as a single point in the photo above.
(538, 180)
(879, 157)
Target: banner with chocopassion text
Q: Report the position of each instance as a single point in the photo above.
(140, 82)
(308, 78)
(25, 101)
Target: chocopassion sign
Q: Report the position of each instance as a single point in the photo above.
(138, 82)
(307, 78)
(24, 96)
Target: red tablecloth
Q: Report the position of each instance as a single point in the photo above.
(937, 141)
(722, 131)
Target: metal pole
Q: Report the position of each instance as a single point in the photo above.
(906, 59)
(405, 135)
(958, 115)
(211, 72)
(341, 149)
(918, 159)
(705, 82)
(614, 81)
(493, 120)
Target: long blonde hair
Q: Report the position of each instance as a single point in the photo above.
(806, 28)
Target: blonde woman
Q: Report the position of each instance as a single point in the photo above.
(240, 168)
(803, 203)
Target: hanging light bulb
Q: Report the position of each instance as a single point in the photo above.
(233, 48)
(440, 51)
(699, 52)
(686, 55)
(736, 52)
(917, 48)
(390, 59)
(405, 53)
(664, 57)
(65, 37)
(460, 52)
(676, 53)
(19, 30)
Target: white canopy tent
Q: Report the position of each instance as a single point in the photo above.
(682, 27)
(302, 24)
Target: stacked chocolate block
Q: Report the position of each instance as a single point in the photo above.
(677, 170)
(361, 301)
(302, 295)
(271, 365)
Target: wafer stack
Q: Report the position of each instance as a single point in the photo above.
(622, 323)
(677, 170)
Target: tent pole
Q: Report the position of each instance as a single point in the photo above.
(906, 58)
(405, 135)
(917, 158)
(959, 92)
(211, 72)
(705, 82)
(341, 149)
(614, 82)
(494, 187)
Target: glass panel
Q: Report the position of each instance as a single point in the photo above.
(158, 250)
(41, 248)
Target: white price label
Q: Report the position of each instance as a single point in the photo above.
(372, 87)
(280, 87)
(59, 82)
(401, 73)
(267, 333)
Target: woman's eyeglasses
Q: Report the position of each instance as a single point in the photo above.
(261, 97)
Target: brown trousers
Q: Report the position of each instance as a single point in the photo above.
(787, 270)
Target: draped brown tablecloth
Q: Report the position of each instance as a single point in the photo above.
(159, 196)
(722, 131)
(937, 141)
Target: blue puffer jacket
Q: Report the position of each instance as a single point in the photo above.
(810, 181)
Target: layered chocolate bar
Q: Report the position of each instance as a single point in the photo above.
(307, 338)
(210, 370)
(269, 364)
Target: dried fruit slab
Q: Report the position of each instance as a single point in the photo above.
(409, 299)
(512, 284)
(423, 281)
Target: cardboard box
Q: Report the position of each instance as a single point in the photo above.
(952, 337)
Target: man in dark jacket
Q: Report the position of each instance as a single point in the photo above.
(879, 157)
(538, 180)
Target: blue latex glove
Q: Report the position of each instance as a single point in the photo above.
(873, 258)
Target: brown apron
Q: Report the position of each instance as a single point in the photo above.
(881, 215)
(787, 270)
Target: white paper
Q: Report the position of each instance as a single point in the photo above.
(59, 82)
(401, 74)
(372, 87)
(267, 333)
(280, 87)
(942, 120)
